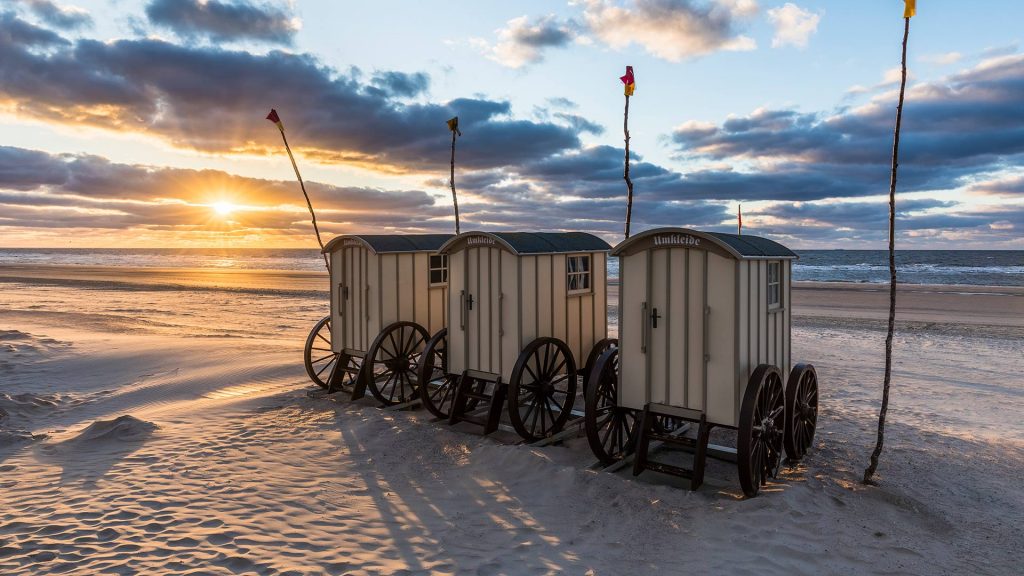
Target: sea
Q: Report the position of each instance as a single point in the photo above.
(954, 267)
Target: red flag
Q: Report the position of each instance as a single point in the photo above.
(628, 81)
(739, 219)
(273, 117)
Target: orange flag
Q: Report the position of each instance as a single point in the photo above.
(910, 9)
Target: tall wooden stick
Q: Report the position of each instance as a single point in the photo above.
(625, 173)
(870, 471)
(273, 117)
(453, 125)
(455, 198)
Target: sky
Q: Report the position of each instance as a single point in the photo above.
(141, 123)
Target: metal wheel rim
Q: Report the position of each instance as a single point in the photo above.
(610, 428)
(391, 374)
(437, 386)
(762, 421)
(319, 357)
(801, 410)
(541, 395)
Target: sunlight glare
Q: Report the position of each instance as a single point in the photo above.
(223, 208)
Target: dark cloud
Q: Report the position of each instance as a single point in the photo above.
(15, 32)
(579, 123)
(65, 17)
(214, 100)
(969, 123)
(400, 84)
(224, 21)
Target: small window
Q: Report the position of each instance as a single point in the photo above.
(577, 269)
(438, 269)
(774, 285)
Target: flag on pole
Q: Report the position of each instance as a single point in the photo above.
(630, 84)
(453, 125)
(739, 219)
(910, 9)
(273, 117)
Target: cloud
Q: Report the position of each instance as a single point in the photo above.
(38, 189)
(61, 16)
(673, 30)
(523, 41)
(942, 59)
(793, 25)
(400, 84)
(16, 32)
(213, 99)
(224, 21)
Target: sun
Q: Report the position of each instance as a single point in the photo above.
(223, 208)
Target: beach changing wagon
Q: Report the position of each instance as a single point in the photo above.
(704, 337)
(523, 307)
(389, 294)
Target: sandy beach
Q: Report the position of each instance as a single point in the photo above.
(159, 421)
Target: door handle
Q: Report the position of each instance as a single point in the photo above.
(643, 328)
(469, 302)
(462, 309)
(654, 318)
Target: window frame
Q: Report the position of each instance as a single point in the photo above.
(443, 268)
(777, 284)
(586, 275)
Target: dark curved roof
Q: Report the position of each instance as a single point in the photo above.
(739, 247)
(754, 246)
(390, 243)
(539, 242)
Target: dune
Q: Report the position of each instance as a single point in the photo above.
(123, 428)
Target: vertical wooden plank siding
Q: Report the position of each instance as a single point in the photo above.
(456, 330)
(545, 295)
(675, 312)
(743, 324)
(632, 360)
(528, 296)
(559, 308)
(697, 319)
(736, 338)
(721, 366)
(658, 347)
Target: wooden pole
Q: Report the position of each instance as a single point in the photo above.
(625, 173)
(870, 470)
(455, 199)
(308, 203)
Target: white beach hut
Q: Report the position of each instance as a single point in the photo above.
(704, 326)
(524, 309)
(389, 293)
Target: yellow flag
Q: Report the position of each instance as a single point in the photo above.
(910, 9)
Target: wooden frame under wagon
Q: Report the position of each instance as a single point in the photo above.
(389, 294)
(704, 326)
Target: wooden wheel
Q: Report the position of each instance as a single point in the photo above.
(437, 387)
(318, 355)
(801, 410)
(762, 420)
(611, 429)
(389, 369)
(542, 389)
(595, 353)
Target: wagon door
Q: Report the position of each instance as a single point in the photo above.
(353, 300)
(663, 328)
(481, 309)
